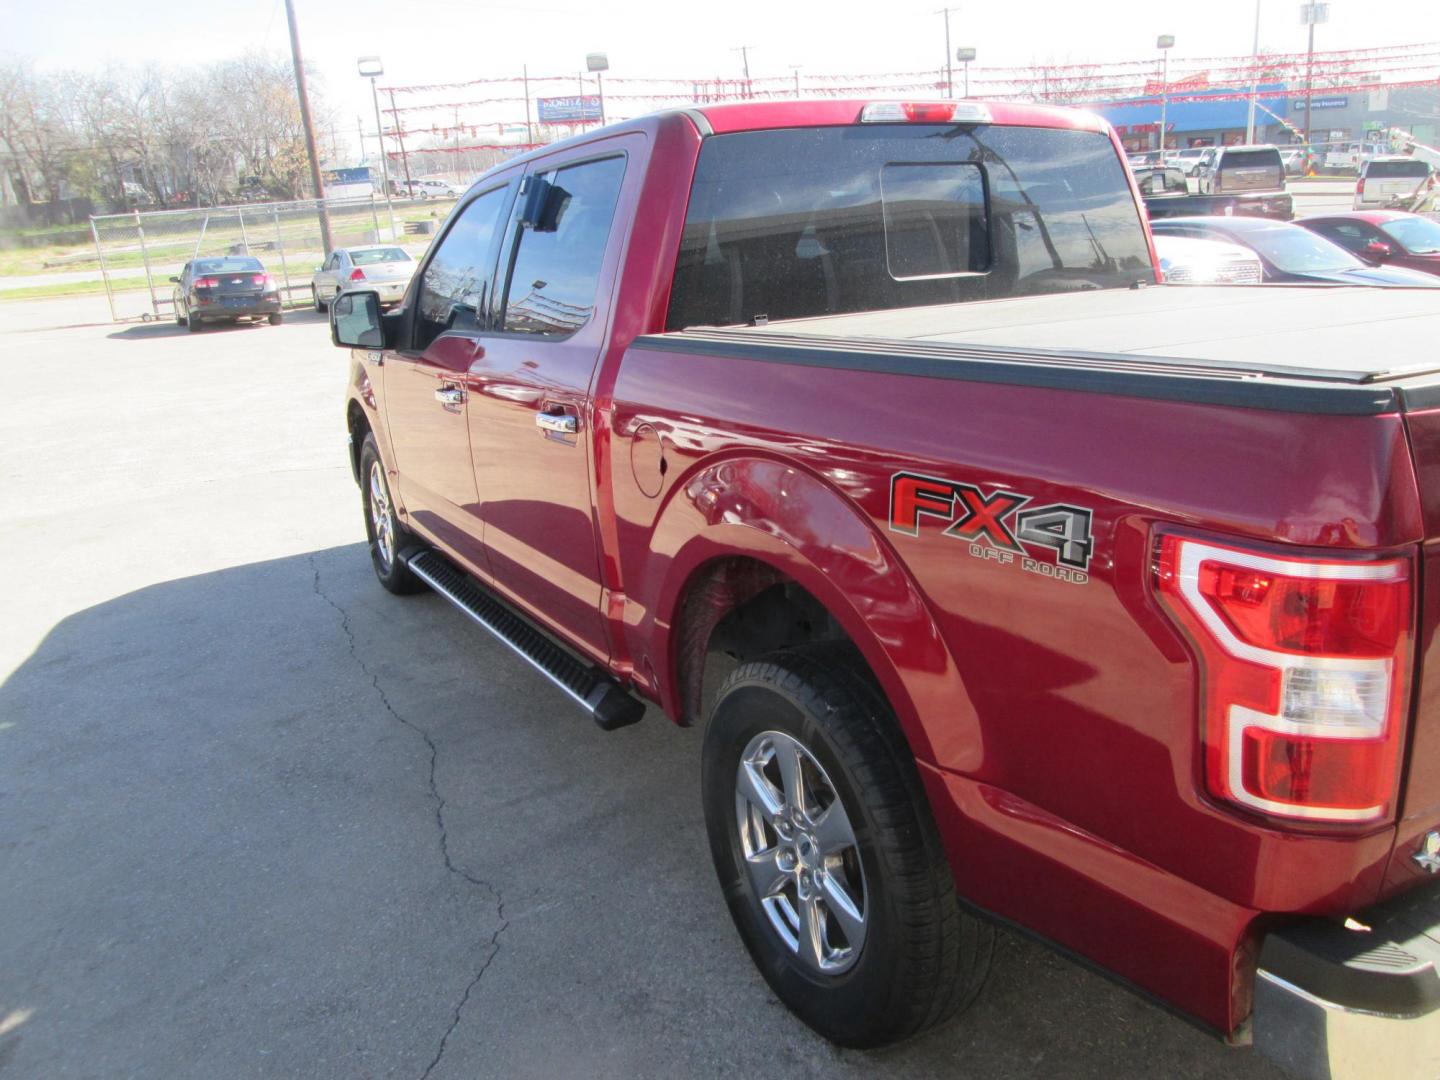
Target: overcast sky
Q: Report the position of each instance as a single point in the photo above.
(429, 41)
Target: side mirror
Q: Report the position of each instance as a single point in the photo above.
(176, 280)
(1378, 249)
(355, 321)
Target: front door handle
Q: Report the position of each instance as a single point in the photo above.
(450, 395)
(557, 422)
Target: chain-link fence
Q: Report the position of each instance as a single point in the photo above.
(141, 251)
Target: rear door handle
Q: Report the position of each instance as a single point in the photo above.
(558, 422)
(450, 395)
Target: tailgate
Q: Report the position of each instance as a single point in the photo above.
(1420, 797)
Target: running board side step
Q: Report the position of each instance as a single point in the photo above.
(607, 702)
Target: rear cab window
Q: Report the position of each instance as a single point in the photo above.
(1250, 159)
(1384, 170)
(799, 222)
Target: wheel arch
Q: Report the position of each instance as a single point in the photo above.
(358, 425)
(739, 527)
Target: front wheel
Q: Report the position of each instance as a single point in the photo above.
(315, 296)
(387, 536)
(828, 856)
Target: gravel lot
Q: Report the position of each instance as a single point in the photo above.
(260, 818)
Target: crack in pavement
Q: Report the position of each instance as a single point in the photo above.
(493, 946)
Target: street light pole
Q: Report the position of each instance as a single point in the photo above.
(1165, 42)
(1254, 78)
(309, 126)
(1310, 14)
(965, 55)
(372, 68)
(599, 63)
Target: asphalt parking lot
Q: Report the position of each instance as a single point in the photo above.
(260, 818)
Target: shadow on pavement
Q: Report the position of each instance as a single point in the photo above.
(272, 820)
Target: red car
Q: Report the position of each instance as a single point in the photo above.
(1004, 582)
(1391, 237)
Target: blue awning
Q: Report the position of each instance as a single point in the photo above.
(1199, 114)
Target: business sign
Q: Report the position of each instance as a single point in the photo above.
(346, 176)
(1190, 84)
(1322, 103)
(569, 110)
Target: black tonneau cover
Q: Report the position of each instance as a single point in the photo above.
(1297, 348)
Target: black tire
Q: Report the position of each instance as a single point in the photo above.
(179, 316)
(315, 296)
(393, 572)
(192, 322)
(922, 959)
(276, 318)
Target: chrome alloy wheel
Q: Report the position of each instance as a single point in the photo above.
(382, 518)
(801, 853)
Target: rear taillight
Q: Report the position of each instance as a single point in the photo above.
(206, 282)
(1304, 669)
(357, 274)
(262, 280)
(1360, 186)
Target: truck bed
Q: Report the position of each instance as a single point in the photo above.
(1294, 347)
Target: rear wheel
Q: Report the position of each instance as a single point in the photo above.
(276, 318)
(830, 862)
(192, 321)
(388, 538)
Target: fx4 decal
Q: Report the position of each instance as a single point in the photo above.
(1000, 526)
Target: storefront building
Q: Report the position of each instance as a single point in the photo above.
(1219, 117)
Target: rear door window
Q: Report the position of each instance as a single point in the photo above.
(555, 264)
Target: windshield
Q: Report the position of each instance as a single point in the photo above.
(798, 222)
(1299, 251)
(378, 255)
(1417, 235)
(227, 266)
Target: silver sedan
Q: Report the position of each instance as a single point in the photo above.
(384, 269)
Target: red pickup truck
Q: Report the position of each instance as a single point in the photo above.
(1008, 585)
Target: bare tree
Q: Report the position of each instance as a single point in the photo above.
(36, 131)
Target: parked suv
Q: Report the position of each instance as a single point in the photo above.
(1232, 170)
(1387, 181)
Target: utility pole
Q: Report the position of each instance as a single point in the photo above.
(1254, 78)
(304, 96)
(400, 137)
(525, 75)
(744, 51)
(949, 67)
